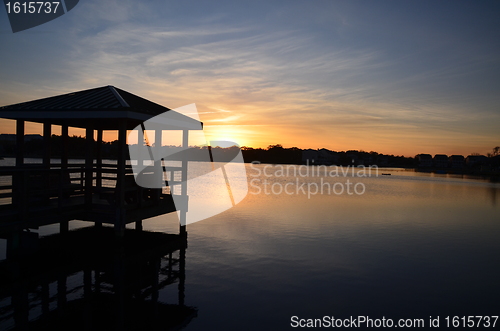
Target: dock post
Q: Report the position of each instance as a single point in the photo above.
(140, 162)
(120, 219)
(87, 297)
(20, 301)
(184, 179)
(119, 288)
(45, 296)
(17, 178)
(97, 280)
(61, 294)
(19, 143)
(65, 146)
(64, 225)
(13, 244)
(98, 183)
(89, 164)
(159, 167)
(47, 130)
(138, 225)
(182, 275)
(155, 290)
(99, 160)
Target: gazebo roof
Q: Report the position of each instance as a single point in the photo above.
(100, 107)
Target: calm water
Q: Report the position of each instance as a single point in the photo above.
(412, 245)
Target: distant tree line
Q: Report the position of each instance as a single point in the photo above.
(273, 154)
(278, 154)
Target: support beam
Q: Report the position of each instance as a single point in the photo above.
(119, 288)
(183, 216)
(45, 297)
(47, 132)
(140, 144)
(61, 294)
(99, 159)
(65, 146)
(89, 164)
(19, 143)
(155, 289)
(140, 163)
(159, 166)
(20, 303)
(64, 225)
(182, 275)
(98, 150)
(47, 178)
(13, 245)
(120, 219)
(97, 280)
(87, 297)
(18, 178)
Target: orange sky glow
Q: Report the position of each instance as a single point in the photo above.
(347, 77)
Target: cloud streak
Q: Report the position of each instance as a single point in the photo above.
(338, 77)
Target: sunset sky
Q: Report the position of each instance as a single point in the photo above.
(394, 77)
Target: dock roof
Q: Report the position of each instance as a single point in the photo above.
(99, 107)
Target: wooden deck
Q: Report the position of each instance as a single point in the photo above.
(33, 196)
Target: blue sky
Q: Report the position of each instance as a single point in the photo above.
(391, 76)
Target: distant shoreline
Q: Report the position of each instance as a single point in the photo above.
(491, 175)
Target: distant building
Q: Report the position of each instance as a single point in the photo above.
(440, 161)
(456, 161)
(424, 160)
(495, 162)
(475, 160)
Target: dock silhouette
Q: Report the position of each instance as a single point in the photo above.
(121, 270)
(95, 191)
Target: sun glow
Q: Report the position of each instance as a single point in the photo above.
(237, 134)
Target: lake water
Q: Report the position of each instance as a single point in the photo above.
(405, 245)
(412, 246)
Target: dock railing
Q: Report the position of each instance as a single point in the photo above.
(36, 194)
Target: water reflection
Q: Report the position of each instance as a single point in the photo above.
(493, 194)
(83, 280)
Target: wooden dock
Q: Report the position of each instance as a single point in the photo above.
(95, 191)
(121, 270)
(48, 196)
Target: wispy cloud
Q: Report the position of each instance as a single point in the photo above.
(338, 75)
